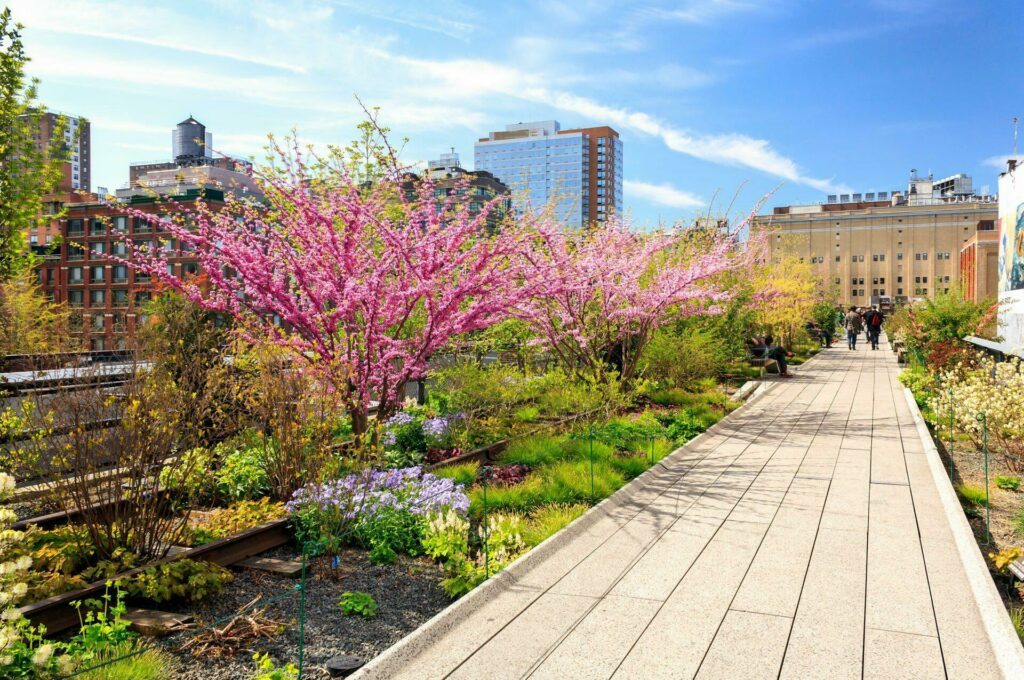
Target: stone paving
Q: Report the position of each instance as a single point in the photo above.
(804, 537)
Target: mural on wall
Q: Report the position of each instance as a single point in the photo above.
(1011, 256)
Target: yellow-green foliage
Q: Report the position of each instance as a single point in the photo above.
(462, 473)
(549, 520)
(151, 664)
(971, 494)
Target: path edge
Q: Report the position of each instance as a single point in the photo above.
(1006, 645)
(395, 657)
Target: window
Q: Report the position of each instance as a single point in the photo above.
(120, 274)
(121, 223)
(75, 252)
(75, 298)
(881, 279)
(142, 297)
(75, 228)
(945, 279)
(856, 258)
(878, 258)
(921, 256)
(96, 227)
(74, 275)
(99, 247)
(97, 323)
(119, 297)
(119, 248)
(881, 291)
(899, 257)
(860, 281)
(141, 277)
(96, 274)
(899, 279)
(899, 291)
(837, 258)
(97, 298)
(75, 323)
(142, 226)
(97, 344)
(837, 280)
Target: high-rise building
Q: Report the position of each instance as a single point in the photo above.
(578, 172)
(77, 171)
(877, 245)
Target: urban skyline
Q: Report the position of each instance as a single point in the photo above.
(706, 104)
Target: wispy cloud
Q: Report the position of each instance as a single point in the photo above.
(662, 194)
(700, 11)
(126, 23)
(999, 162)
(443, 20)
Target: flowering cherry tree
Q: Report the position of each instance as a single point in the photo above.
(603, 291)
(363, 282)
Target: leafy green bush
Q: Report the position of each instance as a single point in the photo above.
(266, 669)
(678, 357)
(549, 520)
(358, 603)
(1008, 483)
(464, 571)
(193, 478)
(920, 382)
(130, 661)
(972, 494)
(243, 475)
(239, 516)
(528, 414)
(187, 579)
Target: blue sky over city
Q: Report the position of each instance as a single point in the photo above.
(710, 97)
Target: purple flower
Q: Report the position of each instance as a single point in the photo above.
(435, 427)
(400, 418)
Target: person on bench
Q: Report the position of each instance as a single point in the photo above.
(763, 349)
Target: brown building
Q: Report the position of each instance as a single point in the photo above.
(477, 187)
(979, 265)
(577, 172)
(77, 171)
(898, 246)
(105, 297)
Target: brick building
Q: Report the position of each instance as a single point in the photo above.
(106, 298)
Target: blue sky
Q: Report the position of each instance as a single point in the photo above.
(710, 97)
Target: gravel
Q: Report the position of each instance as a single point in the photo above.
(407, 592)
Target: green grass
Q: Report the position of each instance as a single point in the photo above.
(527, 414)
(971, 494)
(533, 451)
(1017, 619)
(1008, 483)
(570, 482)
(579, 449)
(152, 664)
(548, 520)
(462, 473)
(513, 498)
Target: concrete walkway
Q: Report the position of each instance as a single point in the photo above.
(805, 536)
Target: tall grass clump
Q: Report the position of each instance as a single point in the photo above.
(533, 451)
(548, 520)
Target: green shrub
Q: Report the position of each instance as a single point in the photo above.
(193, 477)
(1008, 483)
(549, 520)
(971, 494)
(676, 357)
(624, 432)
(920, 382)
(673, 396)
(391, 531)
(186, 579)
(462, 473)
(266, 669)
(533, 451)
(239, 516)
(358, 604)
(242, 475)
(528, 414)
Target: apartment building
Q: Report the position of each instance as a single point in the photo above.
(475, 187)
(898, 245)
(577, 171)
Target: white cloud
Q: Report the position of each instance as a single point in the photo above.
(126, 22)
(999, 162)
(663, 194)
(700, 11)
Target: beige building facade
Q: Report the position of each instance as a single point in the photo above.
(900, 248)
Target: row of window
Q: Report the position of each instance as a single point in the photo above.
(98, 226)
(98, 298)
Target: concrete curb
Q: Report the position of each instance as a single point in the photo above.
(387, 664)
(1005, 644)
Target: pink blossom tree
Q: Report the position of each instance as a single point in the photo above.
(363, 282)
(605, 290)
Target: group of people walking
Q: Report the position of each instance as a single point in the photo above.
(867, 320)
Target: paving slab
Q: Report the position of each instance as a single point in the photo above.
(809, 534)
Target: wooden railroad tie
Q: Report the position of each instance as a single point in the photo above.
(291, 568)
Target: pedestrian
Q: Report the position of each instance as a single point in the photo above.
(873, 320)
(853, 324)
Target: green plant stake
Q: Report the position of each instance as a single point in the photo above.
(949, 393)
(652, 449)
(592, 464)
(983, 419)
(302, 606)
(485, 473)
